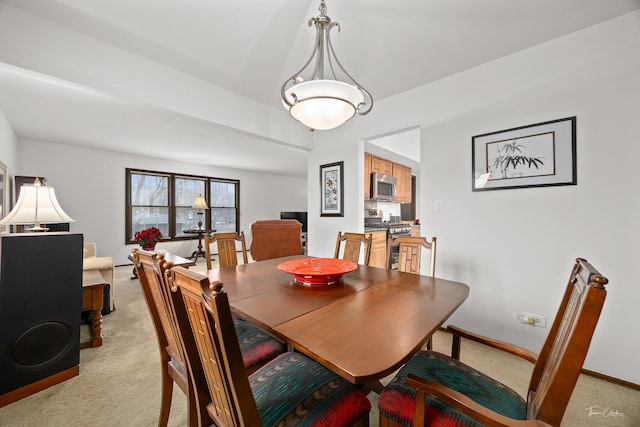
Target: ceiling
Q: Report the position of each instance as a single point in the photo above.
(250, 47)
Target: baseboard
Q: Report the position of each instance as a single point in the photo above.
(39, 385)
(614, 380)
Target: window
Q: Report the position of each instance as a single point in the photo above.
(223, 204)
(164, 200)
(186, 191)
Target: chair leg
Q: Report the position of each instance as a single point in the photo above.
(198, 415)
(165, 399)
(455, 346)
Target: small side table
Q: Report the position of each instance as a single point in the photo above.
(199, 252)
(92, 301)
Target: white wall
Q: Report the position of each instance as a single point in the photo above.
(322, 231)
(8, 154)
(515, 248)
(90, 186)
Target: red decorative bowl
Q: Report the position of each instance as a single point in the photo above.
(318, 271)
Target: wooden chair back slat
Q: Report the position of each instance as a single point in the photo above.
(562, 357)
(226, 243)
(410, 253)
(207, 316)
(152, 269)
(353, 243)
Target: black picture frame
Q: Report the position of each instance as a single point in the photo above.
(537, 155)
(332, 189)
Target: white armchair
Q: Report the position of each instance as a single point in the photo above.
(104, 264)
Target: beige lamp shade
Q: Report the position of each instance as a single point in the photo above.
(37, 204)
(200, 203)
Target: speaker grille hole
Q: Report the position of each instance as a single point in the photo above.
(41, 344)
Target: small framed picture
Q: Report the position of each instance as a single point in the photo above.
(538, 155)
(331, 189)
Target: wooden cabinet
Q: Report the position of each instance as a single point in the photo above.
(381, 166)
(403, 183)
(367, 176)
(378, 249)
(415, 231)
(387, 167)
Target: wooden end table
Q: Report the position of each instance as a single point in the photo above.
(198, 252)
(92, 301)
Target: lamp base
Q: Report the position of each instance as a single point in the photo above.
(36, 229)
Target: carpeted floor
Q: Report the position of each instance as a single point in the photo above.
(119, 382)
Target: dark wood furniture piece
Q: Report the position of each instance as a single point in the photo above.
(226, 243)
(329, 324)
(275, 238)
(353, 242)
(172, 258)
(92, 301)
(410, 253)
(290, 390)
(151, 269)
(40, 304)
(198, 252)
(465, 392)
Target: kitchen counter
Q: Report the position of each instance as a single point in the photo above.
(373, 229)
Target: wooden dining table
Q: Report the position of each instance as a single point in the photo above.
(363, 328)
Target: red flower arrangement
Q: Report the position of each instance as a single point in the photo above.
(148, 237)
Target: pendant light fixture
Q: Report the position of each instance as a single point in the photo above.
(322, 95)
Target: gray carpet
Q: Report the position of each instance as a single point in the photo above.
(119, 382)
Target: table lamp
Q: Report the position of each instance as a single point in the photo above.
(200, 203)
(37, 204)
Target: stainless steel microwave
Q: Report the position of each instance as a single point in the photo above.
(383, 187)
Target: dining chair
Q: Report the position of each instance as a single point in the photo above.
(436, 389)
(353, 242)
(257, 346)
(275, 238)
(227, 253)
(174, 366)
(290, 390)
(410, 252)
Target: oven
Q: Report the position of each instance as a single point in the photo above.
(373, 219)
(396, 230)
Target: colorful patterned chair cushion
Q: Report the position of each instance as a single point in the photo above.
(397, 400)
(293, 390)
(256, 345)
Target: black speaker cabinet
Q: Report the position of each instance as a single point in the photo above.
(40, 308)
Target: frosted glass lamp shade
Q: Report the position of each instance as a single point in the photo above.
(323, 104)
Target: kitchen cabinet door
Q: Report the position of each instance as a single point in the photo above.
(367, 176)
(403, 183)
(381, 165)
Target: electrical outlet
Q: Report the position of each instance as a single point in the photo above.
(532, 319)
